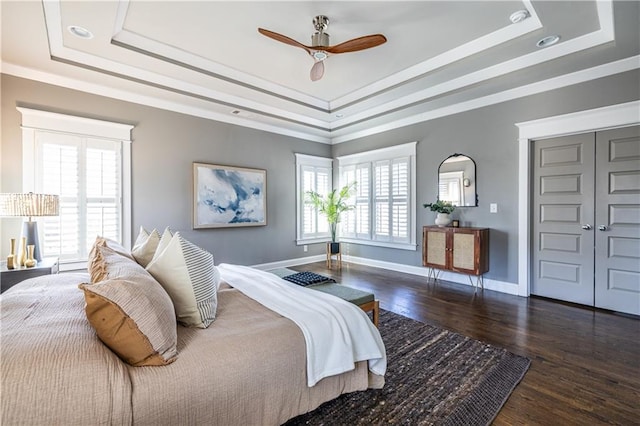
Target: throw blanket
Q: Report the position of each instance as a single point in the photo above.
(337, 333)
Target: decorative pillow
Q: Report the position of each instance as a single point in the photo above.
(107, 242)
(167, 235)
(145, 246)
(187, 273)
(107, 264)
(134, 318)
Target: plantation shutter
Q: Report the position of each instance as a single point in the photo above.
(348, 219)
(86, 173)
(399, 226)
(382, 200)
(450, 187)
(391, 200)
(314, 174)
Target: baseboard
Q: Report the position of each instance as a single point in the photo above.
(489, 284)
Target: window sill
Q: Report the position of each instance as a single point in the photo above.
(73, 266)
(313, 241)
(398, 246)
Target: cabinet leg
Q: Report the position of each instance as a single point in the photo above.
(433, 274)
(479, 282)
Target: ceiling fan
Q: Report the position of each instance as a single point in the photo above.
(320, 48)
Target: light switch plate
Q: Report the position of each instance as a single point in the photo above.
(493, 208)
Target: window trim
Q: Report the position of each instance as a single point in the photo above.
(34, 120)
(389, 153)
(305, 160)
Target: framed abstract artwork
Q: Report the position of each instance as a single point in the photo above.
(225, 196)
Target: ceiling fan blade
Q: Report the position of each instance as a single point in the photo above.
(317, 71)
(283, 39)
(360, 43)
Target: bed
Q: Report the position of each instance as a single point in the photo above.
(248, 367)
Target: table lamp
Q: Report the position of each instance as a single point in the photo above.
(30, 205)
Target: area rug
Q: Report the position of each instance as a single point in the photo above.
(434, 377)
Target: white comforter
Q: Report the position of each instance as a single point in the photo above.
(337, 333)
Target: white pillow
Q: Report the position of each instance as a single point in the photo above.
(145, 246)
(189, 276)
(167, 235)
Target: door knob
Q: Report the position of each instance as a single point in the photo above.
(587, 227)
(602, 228)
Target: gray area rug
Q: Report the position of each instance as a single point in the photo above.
(434, 377)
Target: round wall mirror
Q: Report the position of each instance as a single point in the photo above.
(457, 181)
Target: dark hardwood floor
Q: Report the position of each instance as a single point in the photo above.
(585, 367)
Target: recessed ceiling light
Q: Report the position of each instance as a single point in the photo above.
(339, 115)
(519, 16)
(241, 113)
(80, 32)
(548, 41)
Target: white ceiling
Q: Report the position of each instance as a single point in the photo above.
(208, 59)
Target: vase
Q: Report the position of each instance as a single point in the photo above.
(11, 259)
(22, 256)
(30, 262)
(443, 219)
(335, 248)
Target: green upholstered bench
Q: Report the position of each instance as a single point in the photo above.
(366, 301)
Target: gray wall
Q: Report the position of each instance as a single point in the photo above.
(489, 136)
(165, 145)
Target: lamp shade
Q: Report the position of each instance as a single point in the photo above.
(29, 204)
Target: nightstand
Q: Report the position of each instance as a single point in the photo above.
(11, 277)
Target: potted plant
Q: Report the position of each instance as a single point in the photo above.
(443, 210)
(332, 206)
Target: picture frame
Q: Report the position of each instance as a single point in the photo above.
(227, 196)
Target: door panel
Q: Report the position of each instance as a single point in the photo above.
(463, 251)
(436, 254)
(617, 273)
(563, 194)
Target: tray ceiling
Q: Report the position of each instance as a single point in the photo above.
(208, 59)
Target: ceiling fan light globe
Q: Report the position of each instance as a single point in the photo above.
(319, 55)
(317, 71)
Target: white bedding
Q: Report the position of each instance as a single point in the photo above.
(337, 333)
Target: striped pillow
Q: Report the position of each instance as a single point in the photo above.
(189, 276)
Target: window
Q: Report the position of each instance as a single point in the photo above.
(313, 174)
(450, 187)
(384, 213)
(355, 223)
(79, 160)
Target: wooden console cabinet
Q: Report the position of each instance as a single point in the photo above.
(464, 250)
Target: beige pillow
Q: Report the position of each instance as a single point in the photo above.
(106, 242)
(107, 264)
(145, 246)
(167, 235)
(134, 318)
(190, 278)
